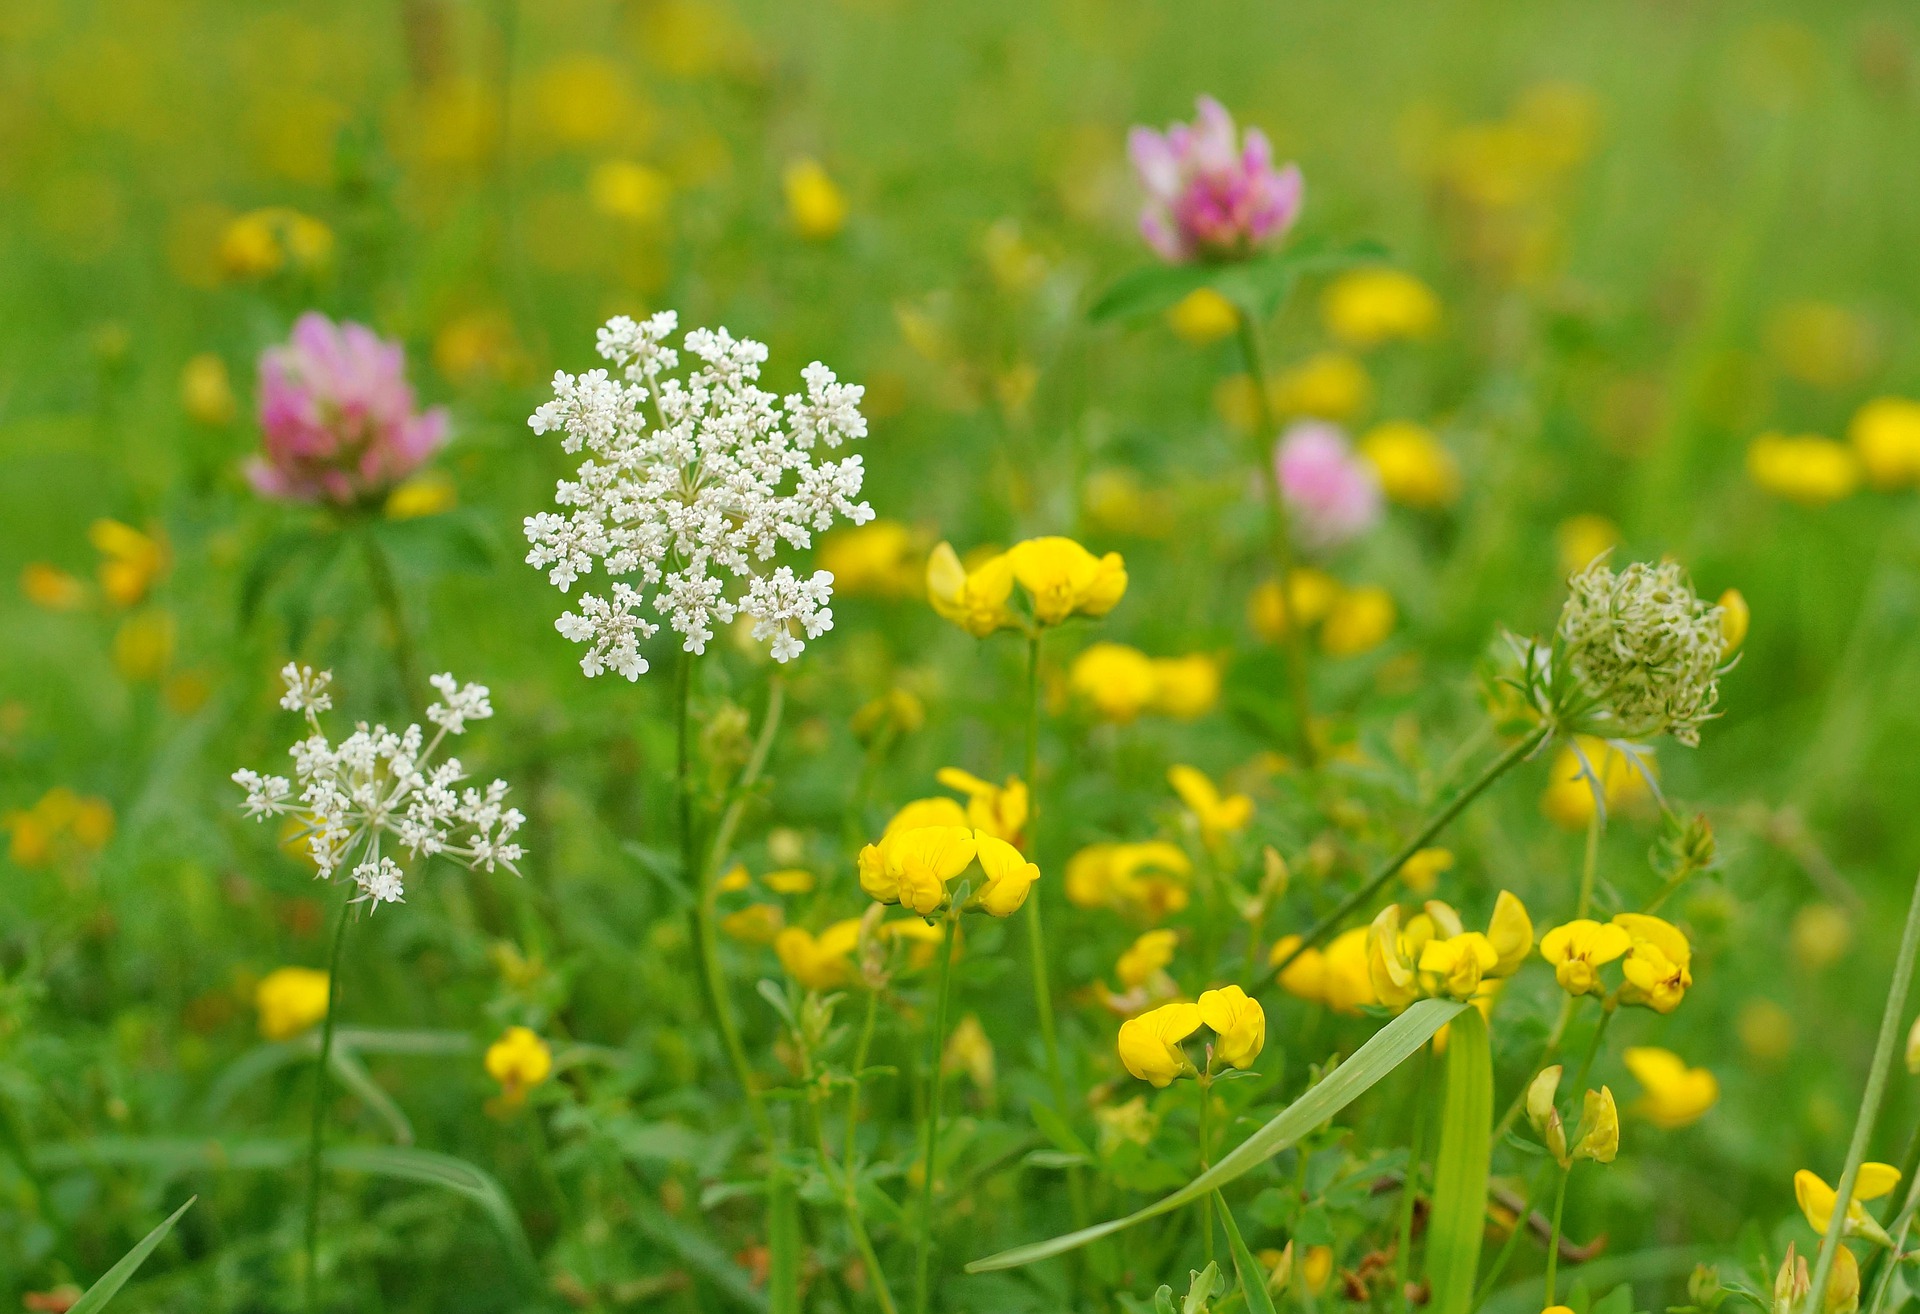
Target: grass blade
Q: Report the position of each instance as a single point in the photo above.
(1253, 1278)
(783, 1241)
(1459, 1217)
(116, 1277)
(1383, 1052)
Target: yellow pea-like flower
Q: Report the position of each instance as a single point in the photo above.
(975, 600)
(1676, 1095)
(519, 1061)
(1391, 958)
(912, 867)
(1116, 681)
(1145, 957)
(1064, 579)
(927, 812)
(1579, 949)
(1510, 931)
(1736, 617)
(1816, 1200)
(1009, 875)
(290, 999)
(1306, 976)
(1454, 967)
(1148, 879)
(1186, 687)
(1365, 307)
(1599, 1127)
(1149, 1045)
(822, 962)
(999, 810)
(130, 561)
(1413, 468)
(1238, 1021)
(1658, 966)
(1421, 872)
(1218, 816)
(1885, 433)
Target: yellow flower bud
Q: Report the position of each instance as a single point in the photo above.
(1599, 1127)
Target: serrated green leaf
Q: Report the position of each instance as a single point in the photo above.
(116, 1277)
(1253, 1278)
(1383, 1052)
(1458, 1220)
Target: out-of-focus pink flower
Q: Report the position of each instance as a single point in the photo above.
(1208, 196)
(1332, 494)
(337, 417)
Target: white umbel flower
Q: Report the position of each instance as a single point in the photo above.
(693, 484)
(1647, 651)
(376, 786)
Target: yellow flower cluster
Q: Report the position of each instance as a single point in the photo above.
(1336, 977)
(1151, 1045)
(912, 867)
(1435, 955)
(61, 826)
(1412, 466)
(1352, 621)
(519, 1061)
(1885, 433)
(1598, 1136)
(1621, 780)
(263, 242)
(1368, 306)
(1118, 683)
(879, 558)
(1657, 966)
(289, 1000)
(1147, 880)
(1804, 468)
(816, 206)
(1058, 577)
(1219, 816)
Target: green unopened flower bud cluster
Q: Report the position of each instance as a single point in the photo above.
(1646, 649)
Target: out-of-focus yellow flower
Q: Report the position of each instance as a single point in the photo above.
(1013, 261)
(974, 600)
(632, 192)
(1330, 385)
(130, 561)
(894, 713)
(1803, 468)
(1149, 1045)
(1145, 958)
(1816, 1200)
(1311, 593)
(519, 1061)
(478, 345)
(1218, 816)
(581, 99)
(968, 1050)
(50, 587)
(1765, 1030)
(927, 812)
(1820, 936)
(735, 879)
(1186, 688)
(1885, 433)
(1238, 1021)
(429, 493)
(1421, 872)
(289, 1000)
(757, 923)
(263, 242)
(1579, 949)
(1736, 618)
(1115, 680)
(1064, 579)
(1361, 620)
(143, 645)
(1148, 879)
(1203, 316)
(1116, 501)
(815, 204)
(1413, 468)
(789, 880)
(1279, 1267)
(1365, 307)
(879, 558)
(1819, 343)
(1676, 1095)
(1584, 539)
(206, 392)
(1658, 968)
(1128, 1123)
(998, 810)
(1599, 1127)
(1337, 977)
(1568, 800)
(1316, 1268)
(822, 962)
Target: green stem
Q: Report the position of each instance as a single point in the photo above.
(1553, 1240)
(1036, 931)
(318, 1133)
(1881, 1266)
(1512, 1243)
(386, 591)
(1547, 1051)
(859, 1063)
(1433, 826)
(1589, 865)
(1593, 1050)
(850, 1195)
(1206, 1140)
(936, 1043)
(1279, 533)
(1870, 1100)
(1416, 1153)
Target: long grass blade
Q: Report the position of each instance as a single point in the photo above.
(1253, 1278)
(1459, 1217)
(116, 1277)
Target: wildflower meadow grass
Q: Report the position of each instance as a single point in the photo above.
(1111, 657)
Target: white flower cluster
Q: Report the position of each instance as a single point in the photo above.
(687, 482)
(376, 783)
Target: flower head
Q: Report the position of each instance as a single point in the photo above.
(1332, 495)
(519, 1061)
(1238, 1021)
(912, 866)
(1433, 954)
(1658, 964)
(1063, 579)
(1147, 879)
(338, 419)
(1816, 1200)
(1645, 650)
(1676, 1095)
(1218, 816)
(1150, 1044)
(1209, 196)
(690, 481)
(1365, 307)
(1578, 949)
(291, 999)
(822, 962)
(975, 600)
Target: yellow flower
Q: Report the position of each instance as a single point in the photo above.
(1203, 316)
(625, 190)
(1218, 817)
(1886, 434)
(1583, 539)
(289, 1000)
(1435, 955)
(1510, 932)
(974, 600)
(1599, 1127)
(1145, 958)
(1819, 936)
(789, 880)
(927, 812)
(1064, 579)
(815, 203)
(1365, 307)
(1149, 879)
(1657, 969)
(478, 345)
(1316, 1268)
(143, 645)
(912, 867)
(894, 713)
(1765, 1030)
(968, 1050)
(1331, 385)
(519, 1061)
(1414, 469)
(1150, 1044)
(1843, 1284)
(1579, 949)
(206, 393)
(263, 242)
(1568, 800)
(50, 587)
(1310, 595)
(1361, 620)
(130, 561)
(1238, 1021)
(757, 923)
(1453, 967)
(579, 99)
(429, 493)
(996, 810)
(1804, 468)
(1116, 681)
(1676, 1095)
(1186, 687)
(878, 558)
(1421, 872)
(1009, 876)
(820, 962)
(735, 879)
(1817, 1199)
(1735, 619)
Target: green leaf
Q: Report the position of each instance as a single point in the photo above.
(1459, 1215)
(783, 1243)
(1055, 1128)
(1258, 286)
(698, 1251)
(354, 1076)
(1526, 1295)
(116, 1277)
(1148, 289)
(1205, 1284)
(1383, 1052)
(431, 1168)
(1253, 1278)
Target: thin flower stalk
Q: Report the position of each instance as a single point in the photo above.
(316, 1138)
(936, 1046)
